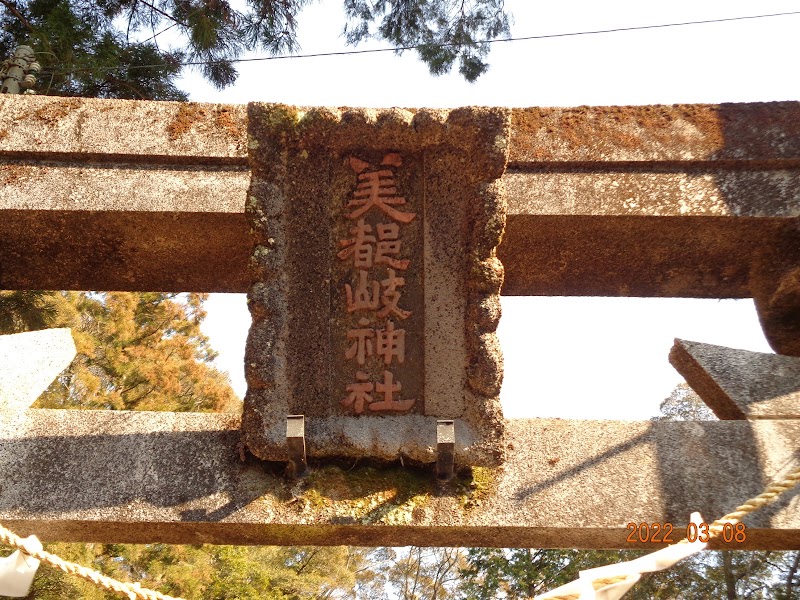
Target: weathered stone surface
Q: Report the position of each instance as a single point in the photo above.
(29, 362)
(759, 131)
(163, 477)
(166, 132)
(775, 286)
(120, 250)
(374, 266)
(685, 176)
(664, 190)
(82, 187)
(674, 257)
(110, 195)
(739, 384)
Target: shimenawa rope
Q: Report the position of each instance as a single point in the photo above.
(769, 495)
(133, 591)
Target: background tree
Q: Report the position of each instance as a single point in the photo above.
(420, 573)
(135, 350)
(26, 311)
(517, 573)
(206, 572)
(445, 31)
(91, 48)
(683, 404)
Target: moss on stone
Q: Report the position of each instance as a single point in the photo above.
(477, 483)
(366, 494)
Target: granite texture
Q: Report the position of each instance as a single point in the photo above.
(29, 362)
(114, 194)
(435, 178)
(739, 384)
(98, 476)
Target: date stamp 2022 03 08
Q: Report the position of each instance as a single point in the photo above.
(661, 533)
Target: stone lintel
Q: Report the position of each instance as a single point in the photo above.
(133, 131)
(117, 194)
(739, 384)
(760, 132)
(144, 477)
(684, 257)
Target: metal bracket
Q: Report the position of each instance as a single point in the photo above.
(296, 444)
(445, 450)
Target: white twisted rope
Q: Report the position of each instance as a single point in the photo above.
(133, 591)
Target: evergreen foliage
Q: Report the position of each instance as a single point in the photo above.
(26, 311)
(135, 350)
(91, 48)
(206, 572)
(683, 404)
(446, 31)
(83, 53)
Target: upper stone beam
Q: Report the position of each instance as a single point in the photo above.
(760, 132)
(102, 194)
(170, 133)
(680, 133)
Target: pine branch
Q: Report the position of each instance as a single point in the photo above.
(18, 14)
(161, 12)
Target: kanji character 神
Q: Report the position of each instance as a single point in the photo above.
(359, 393)
(377, 188)
(388, 389)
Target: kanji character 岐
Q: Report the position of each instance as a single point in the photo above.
(377, 188)
(363, 300)
(359, 247)
(391, 342)
(390, 296)
(389, 243)
(359, 393)
(387, 388)
(362, 347)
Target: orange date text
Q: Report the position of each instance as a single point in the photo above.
(663, 533)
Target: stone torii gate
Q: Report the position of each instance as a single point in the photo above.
(660, 201)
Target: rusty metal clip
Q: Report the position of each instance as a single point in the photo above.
(296, 444)
(445, 450)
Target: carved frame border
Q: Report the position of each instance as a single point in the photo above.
(478, 137)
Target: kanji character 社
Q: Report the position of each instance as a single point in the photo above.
(389, 244)
(362, 346)
(391, 342)
(377, 188)
(388, 389)
(363, 300)
(359, 247)
(359, 393)
(390, 296)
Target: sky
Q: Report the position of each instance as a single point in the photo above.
(594, 358)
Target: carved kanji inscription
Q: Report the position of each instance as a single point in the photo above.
(374, 246)
(379, 255)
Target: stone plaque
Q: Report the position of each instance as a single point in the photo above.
(375, 293)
